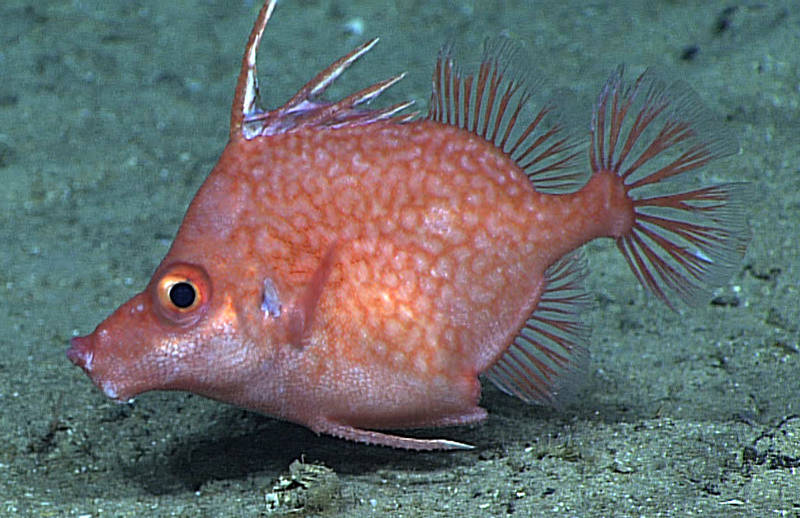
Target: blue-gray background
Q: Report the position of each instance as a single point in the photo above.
(111, 115)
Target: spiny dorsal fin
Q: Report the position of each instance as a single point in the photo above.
(305, 108)
(497, 104)
(245, 98)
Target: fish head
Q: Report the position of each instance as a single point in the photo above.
(164, 338)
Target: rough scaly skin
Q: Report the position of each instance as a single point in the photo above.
(436, 246)
(354, 270)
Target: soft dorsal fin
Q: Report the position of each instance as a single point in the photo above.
(497, 104)
(548, 352)
(305, 108)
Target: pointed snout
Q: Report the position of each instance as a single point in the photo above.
(80, 352)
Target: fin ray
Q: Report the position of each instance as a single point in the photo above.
(246, 95)
(687, 237)
(305, 108)
(352, 433)
(301, 317)
(548, 351)
(496, 103)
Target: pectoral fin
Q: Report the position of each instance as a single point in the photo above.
(301, 315)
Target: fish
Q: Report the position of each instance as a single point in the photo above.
(360, 270)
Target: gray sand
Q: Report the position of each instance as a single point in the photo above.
(112, 115)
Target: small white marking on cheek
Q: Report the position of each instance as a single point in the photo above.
(270, 302)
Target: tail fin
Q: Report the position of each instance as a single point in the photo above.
(687, 238)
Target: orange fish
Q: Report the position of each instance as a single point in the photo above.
(354, 270)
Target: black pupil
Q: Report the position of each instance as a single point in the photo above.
(182, 294)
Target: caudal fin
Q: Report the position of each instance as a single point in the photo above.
(688, 235)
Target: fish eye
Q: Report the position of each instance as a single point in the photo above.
(181, 294)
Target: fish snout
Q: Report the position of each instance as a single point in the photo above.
(80, 352)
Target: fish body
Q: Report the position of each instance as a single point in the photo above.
(356, 270)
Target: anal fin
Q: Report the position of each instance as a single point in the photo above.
(542, 361)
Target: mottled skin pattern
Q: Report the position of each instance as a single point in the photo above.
(436, 246)
(354, 270)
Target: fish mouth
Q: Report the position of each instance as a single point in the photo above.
(81, 354)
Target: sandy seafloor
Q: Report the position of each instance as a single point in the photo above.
(111, 115)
